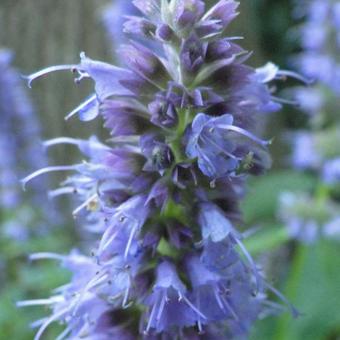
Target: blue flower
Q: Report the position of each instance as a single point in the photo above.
(331, 172)
(221, 147)
(223, 296)
(305, 218)
(17, 114)
(162, 196)
(168, 302)
(320, 31)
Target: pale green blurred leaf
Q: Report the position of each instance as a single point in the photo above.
(261, 200)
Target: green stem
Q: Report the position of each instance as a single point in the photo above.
(291, 290)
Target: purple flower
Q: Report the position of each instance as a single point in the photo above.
(21, 151)
(168, 304)
(221, 147)
(305, 218)
(214, 224)
(123, 227)
(218, 17)
(17, 115)
(331, 171)
(162, 196)
(81, 311)
(305, 153)
(318, 33)
(125, 118)
(145, 64)
(223, 297)
(163, 112)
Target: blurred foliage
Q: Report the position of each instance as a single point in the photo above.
(313, 284)
(22, 280)
(311, 281)
(260, 204)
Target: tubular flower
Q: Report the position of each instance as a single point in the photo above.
(316, 148)
(164, 194)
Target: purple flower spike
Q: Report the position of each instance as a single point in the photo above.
(306, 217)
(320, 31)
(162, 196)
(20, 145)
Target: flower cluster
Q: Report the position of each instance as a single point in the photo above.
(20, 150)
(307, 219)
(316, 149)
(321, 42)
(163, 195)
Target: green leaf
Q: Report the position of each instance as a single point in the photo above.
(314, 288)
(267, 239)
(261, 202)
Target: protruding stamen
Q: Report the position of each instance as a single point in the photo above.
(293, 310)
(251, 262)
(95, 281)
(38, 323)
(30, 78)
(42, 171)
(291, 74)
(106, 239)
(50, 320)
(192, 306)
(82, 106)
(46, 256)
(64, 333)
(128, 245)
(285, 101)
(151, 317)
(234, 38)
(217, 146)
(92, 142)
(61, 191)
(230, 309)
(244, 133)
(60, 140)
(125, 303)
(84, 205)
(161, 307)
(39, 302)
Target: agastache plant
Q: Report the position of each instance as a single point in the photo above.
(310, 216)
(163, 194)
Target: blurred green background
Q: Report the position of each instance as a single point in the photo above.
(48, 32)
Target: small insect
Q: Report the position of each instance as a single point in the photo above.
(247, 163)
